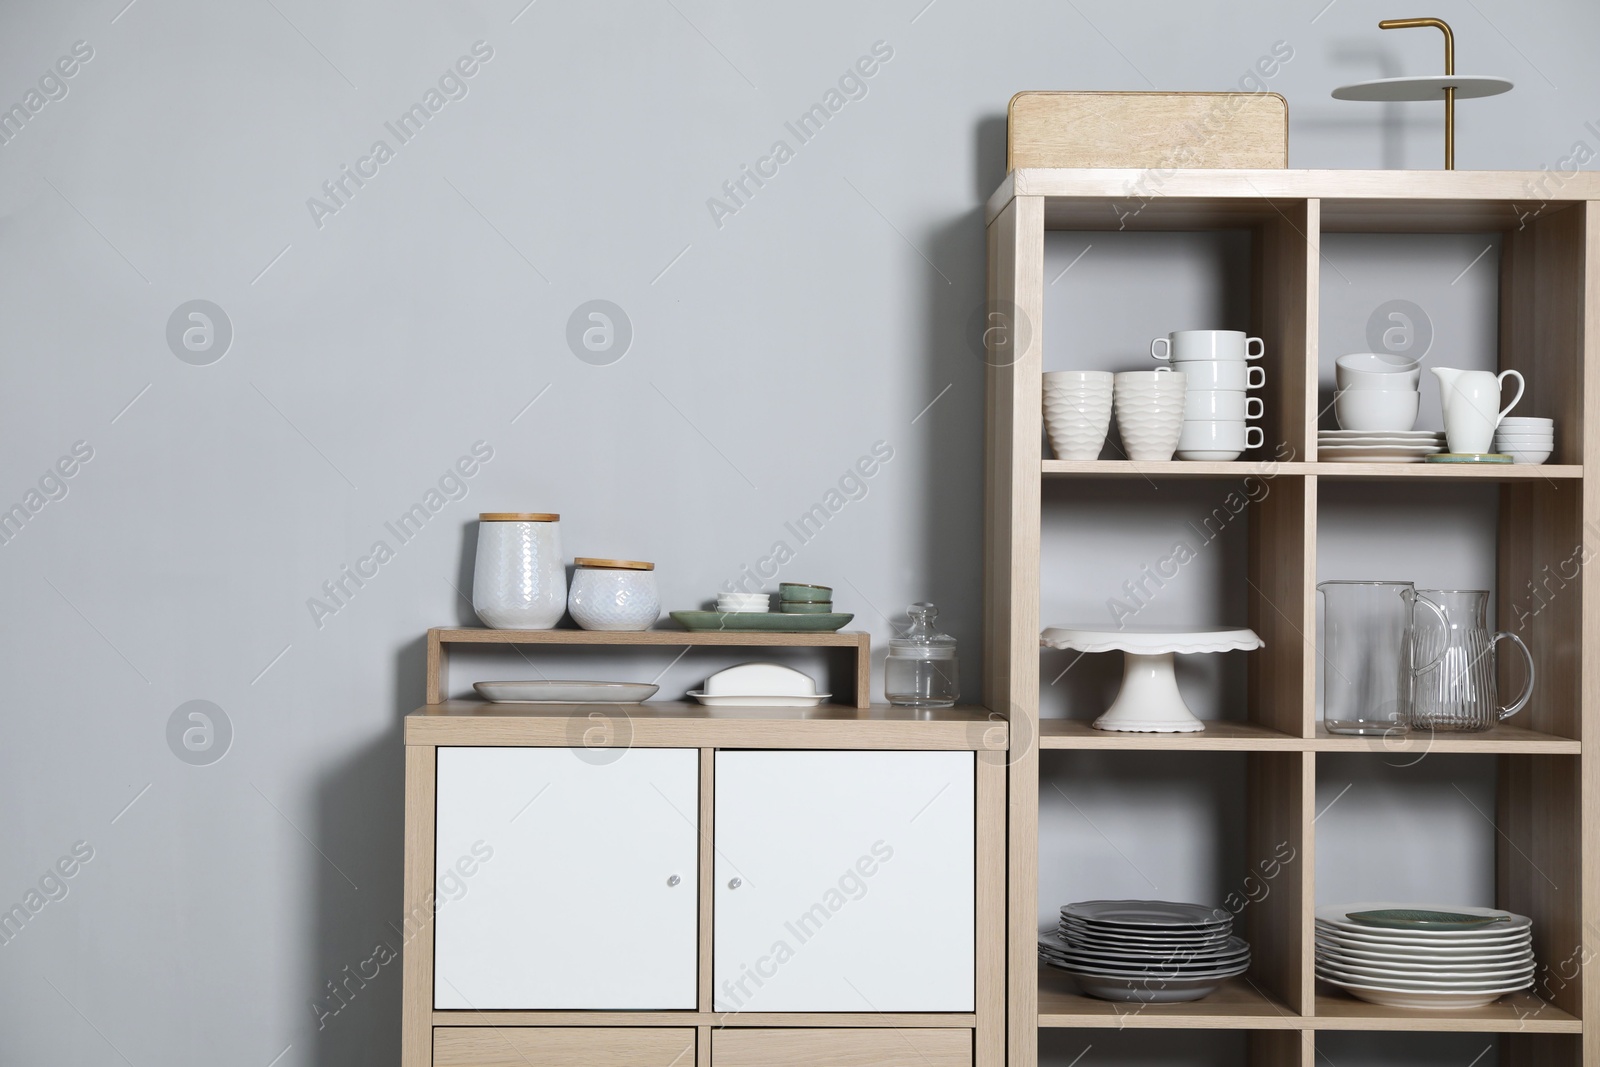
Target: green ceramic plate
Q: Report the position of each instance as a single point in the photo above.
(1469, 457)
(760, 622)
(1409, 919)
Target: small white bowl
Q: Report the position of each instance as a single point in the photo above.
(1532, 457)
(1527, 422)
(1378, 410)
(1376, 370)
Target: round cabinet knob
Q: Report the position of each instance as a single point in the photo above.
(735, 883)
(674, 880)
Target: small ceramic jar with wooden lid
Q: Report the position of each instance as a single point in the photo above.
(519, 580)
(614, 594)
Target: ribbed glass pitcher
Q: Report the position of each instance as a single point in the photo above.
(1458, 691)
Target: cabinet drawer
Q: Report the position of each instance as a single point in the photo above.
(841, 1048)
(525, 1046)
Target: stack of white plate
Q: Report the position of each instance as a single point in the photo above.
(1424, 956)
(1373, 446)
(1145, 950)
(734, 603)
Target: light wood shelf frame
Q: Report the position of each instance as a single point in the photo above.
(854, 643)
(1548, 855)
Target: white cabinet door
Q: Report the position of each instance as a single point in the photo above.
(566, 878)
(844, 881)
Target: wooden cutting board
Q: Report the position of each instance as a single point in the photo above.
(1248, 131)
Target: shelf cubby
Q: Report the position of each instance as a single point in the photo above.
(1524, 532)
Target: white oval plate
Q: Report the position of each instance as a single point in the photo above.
(1408, 998)
(1423, 961)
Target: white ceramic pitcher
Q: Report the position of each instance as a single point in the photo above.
(1471, 403)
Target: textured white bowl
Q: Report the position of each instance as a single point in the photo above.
(1077, 427)
(1149, 406)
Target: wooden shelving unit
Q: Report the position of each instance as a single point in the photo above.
(1548, 855)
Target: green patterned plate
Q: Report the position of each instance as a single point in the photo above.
(761, 622)
(1468, 457)
(1410, 919)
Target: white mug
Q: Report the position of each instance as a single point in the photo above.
(1220, 373)
(1211, 436)
(1207, 344)
(1221, 404)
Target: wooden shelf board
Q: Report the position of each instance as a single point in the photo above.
(1235, 736)
(1443, 472)
(485, 636)
(1515, 1013)
(686, 724)
(1239, 1005)
(1503, 739)
(1219, 736)
(904, 1020)
(1447, 472)
(1363, 201)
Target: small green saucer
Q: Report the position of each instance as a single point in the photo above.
(1409, 919)
(1469, 457)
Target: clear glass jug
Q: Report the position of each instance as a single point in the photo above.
(1457, 689)
(920, 671)
(1368, 655)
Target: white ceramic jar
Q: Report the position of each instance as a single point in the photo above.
(519, 580)
(614, 594)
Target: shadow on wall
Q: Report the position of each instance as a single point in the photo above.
(948, 563)
(353, 990)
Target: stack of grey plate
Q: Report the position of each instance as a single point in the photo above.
(1152, 951)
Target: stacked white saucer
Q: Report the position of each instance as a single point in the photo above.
(1151, 951)
(1525, 440)
(1424, 956)
(1378, 446)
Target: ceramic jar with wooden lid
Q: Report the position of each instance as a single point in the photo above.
(519, 580)
(614, 594)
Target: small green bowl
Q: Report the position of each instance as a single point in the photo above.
(809, 594)
(820, 607)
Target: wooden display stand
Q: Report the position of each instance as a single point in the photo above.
(1549, 331)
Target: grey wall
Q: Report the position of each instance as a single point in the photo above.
(369, 352)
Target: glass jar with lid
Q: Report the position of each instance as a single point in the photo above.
(921, 669)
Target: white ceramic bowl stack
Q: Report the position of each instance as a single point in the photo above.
(1077, 412)
(1378, 392)
(738, 603)
(1424, 964)
(1151, 951)
(1149, 408)
(1215, 362)
(1526, 440)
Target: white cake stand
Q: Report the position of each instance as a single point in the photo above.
(1149, 701)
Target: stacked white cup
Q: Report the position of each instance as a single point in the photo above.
(1215, 363)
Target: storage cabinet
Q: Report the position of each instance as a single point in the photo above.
(844, 881)
(566, 880)
(600, 905)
